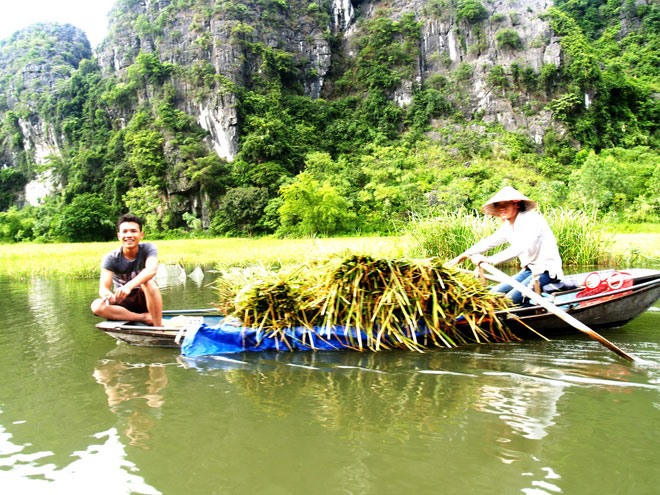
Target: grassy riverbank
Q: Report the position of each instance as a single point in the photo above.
(637, 248)
(21, 261)
(82, 260)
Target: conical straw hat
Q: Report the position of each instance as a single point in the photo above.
(507, 193)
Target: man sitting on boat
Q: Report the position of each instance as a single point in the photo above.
(530, 240)
(127, 288)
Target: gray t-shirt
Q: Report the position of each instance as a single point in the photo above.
(124, 269)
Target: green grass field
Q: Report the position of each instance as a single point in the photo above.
(22, 261)
(83, 260)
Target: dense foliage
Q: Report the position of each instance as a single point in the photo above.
(353, 159)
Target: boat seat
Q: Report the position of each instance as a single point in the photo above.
(561, 286)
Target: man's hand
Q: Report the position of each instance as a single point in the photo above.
(108, 298)
(121, 293)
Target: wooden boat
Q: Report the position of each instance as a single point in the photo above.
(601, 299)
(175, 325)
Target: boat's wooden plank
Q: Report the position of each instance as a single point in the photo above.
(110, 325)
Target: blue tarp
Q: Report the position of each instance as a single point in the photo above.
(226, 339)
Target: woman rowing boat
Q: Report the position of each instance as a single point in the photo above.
(530, 240)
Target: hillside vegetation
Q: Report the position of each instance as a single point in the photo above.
(298, 118)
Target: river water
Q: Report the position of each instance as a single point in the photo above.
(82, 413)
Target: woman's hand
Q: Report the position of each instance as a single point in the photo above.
(478, 259)
(455, 261)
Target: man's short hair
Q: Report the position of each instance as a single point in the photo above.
(129, 217)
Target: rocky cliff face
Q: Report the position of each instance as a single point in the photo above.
(214, 48)
(182, 88)
(217, 47)
(219, 37)
(206, 37)
(448, 42)
(32, 64)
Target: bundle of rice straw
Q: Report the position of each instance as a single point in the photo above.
(375, 303)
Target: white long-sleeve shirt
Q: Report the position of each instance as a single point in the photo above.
(530, 239)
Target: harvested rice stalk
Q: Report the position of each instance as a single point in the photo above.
(262, 298)
(375, 304)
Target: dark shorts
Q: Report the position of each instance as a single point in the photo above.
(136, 302)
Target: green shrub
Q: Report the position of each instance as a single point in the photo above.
(471, 11)
(580, 243)
(464, 72)
(508, 38)
(87, 218)
(16, 225)
(497, 77)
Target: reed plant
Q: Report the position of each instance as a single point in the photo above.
(372, 303)
(445, 235)
(580, 240)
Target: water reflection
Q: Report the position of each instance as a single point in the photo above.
(440, 398)
(134, 394)
(524, 396)
(337, 381)
(78, 412)
(526, 405)
(101, 468)
(45, 304)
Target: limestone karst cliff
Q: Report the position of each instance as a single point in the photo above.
(218, 35)
(212, 105)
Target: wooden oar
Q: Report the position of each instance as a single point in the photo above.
(543, 302)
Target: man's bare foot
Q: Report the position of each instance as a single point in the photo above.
(146, 319)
